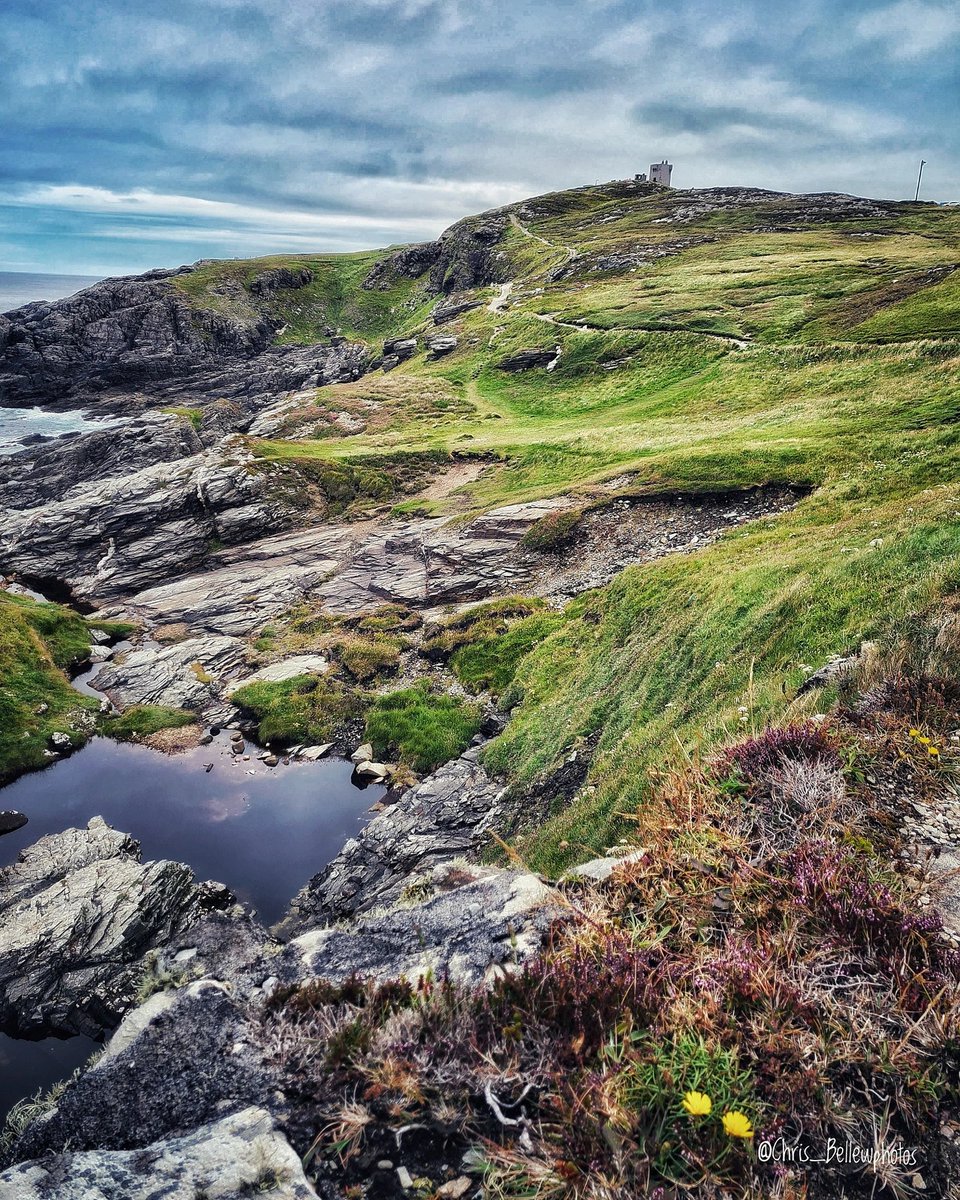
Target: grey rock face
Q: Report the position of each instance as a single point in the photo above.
(443, 817)
(37, 476)
(279, 279)
(439, 344)
(77, 913)
(108, 536)
(248, 585)
(185, 675)
(181, 1058)
(448, 311)
(419, 562)
(481, 919)
(141, 333)
(240, 1155)
(464, 256)
(400, 348)
(525, 360)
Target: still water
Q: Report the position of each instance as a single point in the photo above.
(262, 831)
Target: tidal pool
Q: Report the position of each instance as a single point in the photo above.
(263, 831)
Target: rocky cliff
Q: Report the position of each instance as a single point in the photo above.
(141, 335)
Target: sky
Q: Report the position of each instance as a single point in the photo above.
(139, 134)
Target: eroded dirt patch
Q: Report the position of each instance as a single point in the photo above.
(633, 530)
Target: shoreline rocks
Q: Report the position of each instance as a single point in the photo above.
(78, 910)
(445, 817)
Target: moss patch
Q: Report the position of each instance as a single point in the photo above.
(422, 729)
(145, 719)
(38, 643)
(305, 709)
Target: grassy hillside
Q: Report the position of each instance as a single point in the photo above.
(332, 299)
(38, 643)
(705, 345)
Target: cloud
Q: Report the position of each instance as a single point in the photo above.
(911, 28)
(135, 133)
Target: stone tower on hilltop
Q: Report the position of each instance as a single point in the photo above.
(660, 173)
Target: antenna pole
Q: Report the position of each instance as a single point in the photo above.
(923, 163)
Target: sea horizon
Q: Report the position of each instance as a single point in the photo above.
(22, 287)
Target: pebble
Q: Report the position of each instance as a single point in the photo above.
(455, 1189)
(404, 1178)
(384, 1165)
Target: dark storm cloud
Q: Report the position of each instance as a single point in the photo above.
(137, 133)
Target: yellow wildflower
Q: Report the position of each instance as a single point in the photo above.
(923, 741)
(737, 1124)
(697, 1104)
(914, 732)
(933, 752)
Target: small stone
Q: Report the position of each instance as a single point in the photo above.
(384, 1165)
(404, 1178)
(11, 820)
(271, 760)
(315, 753)
(206, 739)
(236, 737)
(362, 753)
(456, 1188)
(378, 772)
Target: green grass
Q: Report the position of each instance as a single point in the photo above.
(366, 657)
(193, 415)
(490, 660)
(144, 719)
(847, 382)
(38, 643)
(333, 299)
(305, 709)
(421, 729)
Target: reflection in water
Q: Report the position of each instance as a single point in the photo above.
(28, 1067)
(262, 831)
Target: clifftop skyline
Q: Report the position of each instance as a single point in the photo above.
(236, 127)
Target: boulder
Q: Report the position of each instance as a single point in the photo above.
(315, 753)
(363, 753)
(449, 311)
(445, 816)
(373, 771)
(78, 910)
(479, 920)
(244, 1154)
(525, 360)
(439, 344)
(400, 348)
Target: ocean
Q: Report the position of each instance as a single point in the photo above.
(20, 287)
(16, 424)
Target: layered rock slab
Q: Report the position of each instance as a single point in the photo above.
(78, 910)
(445, 817)
(106, 537)
(241, 1155)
